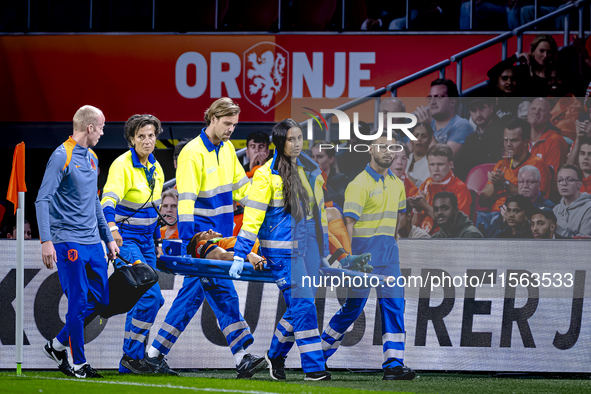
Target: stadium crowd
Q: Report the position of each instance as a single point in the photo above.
(511, 160)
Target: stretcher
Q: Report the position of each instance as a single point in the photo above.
(173, 262)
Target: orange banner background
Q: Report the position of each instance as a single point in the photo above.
(46, 78)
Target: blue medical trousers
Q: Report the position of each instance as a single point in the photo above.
(299, 322)
(140, 319)
(223, 300)
(82, 270)
(391, 302)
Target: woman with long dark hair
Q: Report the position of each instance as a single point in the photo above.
(285, 209)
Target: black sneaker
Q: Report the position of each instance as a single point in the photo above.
(159, 365)
(61, 358)
(276, 367)
(87, 372)
(318, 375)
(250, 365)
(401, 372)
(135, 366)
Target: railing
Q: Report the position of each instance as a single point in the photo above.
(393, 87)
(503, 38)
(408, 18)
(457, 58)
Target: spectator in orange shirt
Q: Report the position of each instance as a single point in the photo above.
(442, 179)
(546, 142)
(502, 180)
(168, 209)
(398, 167)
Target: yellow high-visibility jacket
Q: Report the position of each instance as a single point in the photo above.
(208, 179)
(128, 195)
(264, 214)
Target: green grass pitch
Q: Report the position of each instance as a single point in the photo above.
(224, 382)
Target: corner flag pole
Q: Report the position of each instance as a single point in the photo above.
(20, 279)
(16, 195)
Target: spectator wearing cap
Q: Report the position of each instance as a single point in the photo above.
(257, 152)
(448, 127)
(486, 144)
(516, 224)
(543, 223)
(452, 222)
(581, 155)
(442, 179)
(546, 142)
(398, 167)
(502, 180)
(573, 213)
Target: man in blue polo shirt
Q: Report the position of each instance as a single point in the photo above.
(372, 203)
(448, 127)
(71, 227)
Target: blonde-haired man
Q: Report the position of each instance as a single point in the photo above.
(209, 178)
(169, 211)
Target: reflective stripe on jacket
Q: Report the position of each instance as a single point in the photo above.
(264, 214)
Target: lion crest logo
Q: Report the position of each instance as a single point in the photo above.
(72, 255)
(266, 73)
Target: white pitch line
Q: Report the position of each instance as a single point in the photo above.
(167, 386)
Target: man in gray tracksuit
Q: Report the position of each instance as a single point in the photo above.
(573, 213)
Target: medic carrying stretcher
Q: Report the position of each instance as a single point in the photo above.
(212, 256)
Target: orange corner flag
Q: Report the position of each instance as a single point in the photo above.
(17, 177)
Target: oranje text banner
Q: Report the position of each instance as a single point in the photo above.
(46, 78)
